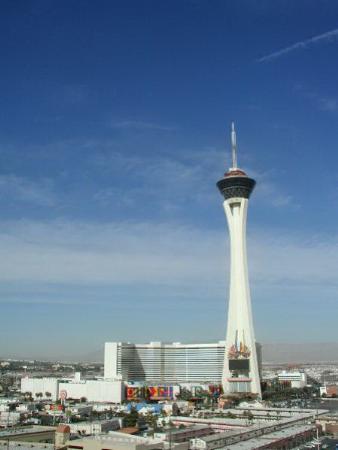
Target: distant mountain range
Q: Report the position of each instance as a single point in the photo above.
(272, 353)
(278, 353)
(296, 353)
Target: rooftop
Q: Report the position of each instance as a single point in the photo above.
(13, 445)
(25, 430)
(270, 438)
(115, 436)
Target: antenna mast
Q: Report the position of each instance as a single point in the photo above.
(233, 146)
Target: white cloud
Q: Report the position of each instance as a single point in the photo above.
(322, 102)
(324, 37)
(171, 182)
(141, 125)
(328, 104)
(158, 254)
(301, 260)
(74, 252)
(268, 192)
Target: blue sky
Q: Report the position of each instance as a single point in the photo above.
(114, 128)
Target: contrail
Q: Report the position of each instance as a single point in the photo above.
(301, 44)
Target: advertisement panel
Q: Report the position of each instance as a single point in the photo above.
(134, 393)
(160, 392)
(53, 407)
(197, 391)
(63, 394)
(215, 389)
(149, 393)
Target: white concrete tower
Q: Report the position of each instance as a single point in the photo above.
(241, 372)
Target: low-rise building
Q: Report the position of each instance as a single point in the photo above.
(115, 441)
(19, 445)
(294, 379)
(96, 426)
(26, 407)
(328, 423)
(75, 388)
(80, 409)
(93, 390)
(184, 434)
(329, 390)
(10, 418)
(46, 386)
(279, 440)
(35, 438)
(35, 433)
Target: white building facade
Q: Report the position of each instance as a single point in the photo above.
(294, 379)
(94, 390)
(112, 391)
(164, 363)
(43, 385)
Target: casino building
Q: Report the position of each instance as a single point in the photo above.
(164, 363)
(159, 362)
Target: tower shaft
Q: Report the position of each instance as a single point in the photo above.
(241, 372)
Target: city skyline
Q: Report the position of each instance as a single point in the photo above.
(114, 130)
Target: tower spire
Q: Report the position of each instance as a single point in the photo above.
(233, 146)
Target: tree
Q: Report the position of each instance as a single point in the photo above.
(184, 394)
(176, 410)
(131, 419)
(28, 396)
(151, 420)
(69, 415)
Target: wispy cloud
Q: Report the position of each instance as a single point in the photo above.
(322, 102)
(269, 193)
(159, 254)
(27, 191)
(141, 125)
(155, 270)
(176, 176)
(324, 37)
(328, 104)
(109, 254)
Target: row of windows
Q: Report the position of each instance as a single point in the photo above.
(171, 364)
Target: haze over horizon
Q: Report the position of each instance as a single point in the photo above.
(115, 127)
(273, 353)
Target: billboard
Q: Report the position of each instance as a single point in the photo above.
(239, 364)
(160, 392)
(63, 394)
(135, 393)
(53, 407)
(215, 390)
(149, 392)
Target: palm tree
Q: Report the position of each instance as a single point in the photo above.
(26, 395)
